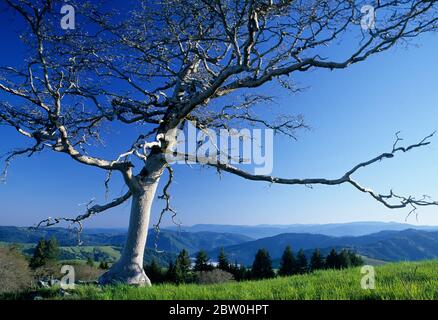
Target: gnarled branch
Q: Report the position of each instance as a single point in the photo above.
(404, 201)
(91, 211)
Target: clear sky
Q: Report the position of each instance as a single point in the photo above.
(353, 115)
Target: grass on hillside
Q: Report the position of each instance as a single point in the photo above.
(414, 280)
(107, 253)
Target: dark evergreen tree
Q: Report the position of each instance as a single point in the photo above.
(344, 259)
(201, 263)
(154, 272)
(223, 262)
(239, 272)
(317, 261)
(302, 265)
(355, 259)
(332, 260)
(183, 261)
(288, 265)
(46, 251)
(234, 269)
(171, 274)
(181, 274)
(52, 249)
(39, 257)
(182, 267)
(262, 266)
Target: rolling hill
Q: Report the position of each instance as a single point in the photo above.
(332, 229)
(386, 245)
(65, 237)
(389, 245)
(168, 241)
(112, 254)
(98, 253)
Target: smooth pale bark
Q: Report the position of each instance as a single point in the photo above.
(129, 269)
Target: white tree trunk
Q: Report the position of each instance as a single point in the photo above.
(129, 269)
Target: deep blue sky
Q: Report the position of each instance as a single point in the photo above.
(353, 113)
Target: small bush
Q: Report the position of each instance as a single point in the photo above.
(49, 270)
(84, 272)
(15, 274)
(215, 276)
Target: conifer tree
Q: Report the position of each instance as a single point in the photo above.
(46, 251)
(332, 260)
(201, 263)
(344, 259)
(302, 265)
(154, 271)
(39, 258)
(317, 261)
(262, 266)
(171, 274)
(52, 249)
(182, 267)
(288, 263)
(355, 259)
(223, 262)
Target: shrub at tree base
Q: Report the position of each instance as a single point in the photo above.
(84, 272)
(214, 276)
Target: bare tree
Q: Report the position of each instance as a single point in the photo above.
(163, 64)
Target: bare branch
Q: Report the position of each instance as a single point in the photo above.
(91, 211)
(346, 178)
(166, 197)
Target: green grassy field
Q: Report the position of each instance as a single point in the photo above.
(414, 280)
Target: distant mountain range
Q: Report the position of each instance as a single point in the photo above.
(99, 253)
(385, 245)
(374, 240)
(169, 241)
(332, 229)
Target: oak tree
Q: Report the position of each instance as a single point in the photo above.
(160, 65)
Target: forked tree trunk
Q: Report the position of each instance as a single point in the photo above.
(129, 269)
